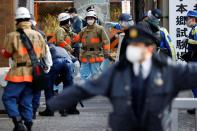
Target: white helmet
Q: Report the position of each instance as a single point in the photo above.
(22, 13)
(91, 14)
(63, 16)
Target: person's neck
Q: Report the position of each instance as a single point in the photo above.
(147, 57)
(91, 26)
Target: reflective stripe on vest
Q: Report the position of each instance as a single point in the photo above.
(106, 47)
(92, 59)
(23, 51)
(19, 78)
(169, 41)
(94, 40)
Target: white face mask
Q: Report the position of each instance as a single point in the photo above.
(90, 22)
(126, 24)
(134, 54)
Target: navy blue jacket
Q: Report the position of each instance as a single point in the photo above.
(59, 52)
(166, 80)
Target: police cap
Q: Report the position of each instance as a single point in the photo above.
(125, 17)
(192, 14)
(138, 34)
(157, 13)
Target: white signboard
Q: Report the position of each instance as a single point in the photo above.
(126, 7)
(177, 23)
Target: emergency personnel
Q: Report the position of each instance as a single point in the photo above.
(36, 94)
(17, 96)
(64, 33)
(62, 65)
(95, 47)
(152, 23)
(192, 44)
(77, 25)
(125, 21)
(135, 84)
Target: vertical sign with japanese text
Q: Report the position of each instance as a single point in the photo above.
(126, 7)
(177, 22)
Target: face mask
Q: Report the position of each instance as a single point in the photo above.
(134, 54)
(90, 22)
(189, 23)
(126, 24)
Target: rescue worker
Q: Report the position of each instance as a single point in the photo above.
(152, 23)
(77, 25)
(192, 44)
(64, 33)
(95, 47)
(62, 65)
(18, 93)
(36, 94)
(135, 84)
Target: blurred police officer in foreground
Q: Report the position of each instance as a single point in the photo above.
(191, 41)
(18, 93)
(140, 87)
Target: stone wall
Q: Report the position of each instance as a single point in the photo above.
(101, 7)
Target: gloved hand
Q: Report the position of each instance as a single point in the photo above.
(47, 70)
(185, 40)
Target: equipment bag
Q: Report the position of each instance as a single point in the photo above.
(38, 65)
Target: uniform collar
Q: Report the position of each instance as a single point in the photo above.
(194, 26)
(24, 25)
(65, 28)
(91, 26)
(146, 67)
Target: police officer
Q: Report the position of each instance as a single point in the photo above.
(134, 85)
(17, 96)
(192, 43)
(62, 65)
(152, 23)
(95, 47)
(125, 21)
(64, 33)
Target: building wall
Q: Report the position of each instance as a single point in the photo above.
(6, 23)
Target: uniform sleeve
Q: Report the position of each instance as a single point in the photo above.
(62, 42)
(71, 95)
(78, 25)
(48, 59)
(46, 54)
(185, 76)
(170, 47)
(194, 41)
(8, 47)
(105, 41)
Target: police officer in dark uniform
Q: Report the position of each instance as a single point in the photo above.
(140, 87)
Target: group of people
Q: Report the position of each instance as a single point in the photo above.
(141, 77)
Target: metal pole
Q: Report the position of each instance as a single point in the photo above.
(174, 125)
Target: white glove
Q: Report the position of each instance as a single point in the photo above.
(48, 60)
(47, 70)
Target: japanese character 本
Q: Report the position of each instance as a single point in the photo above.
(181, 8)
